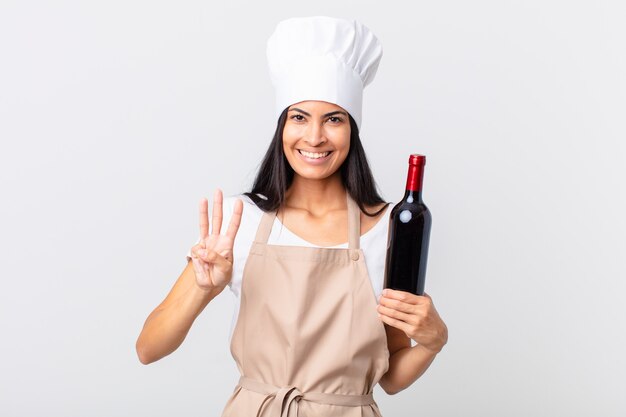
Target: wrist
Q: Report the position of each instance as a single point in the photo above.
(431, 350)
(435, 346)
(206, 292)
(438, 342)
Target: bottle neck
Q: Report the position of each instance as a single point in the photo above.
(414, 183)
(413, 196)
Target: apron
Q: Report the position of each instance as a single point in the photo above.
(308, 341)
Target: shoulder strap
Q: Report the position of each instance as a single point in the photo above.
(354, 223)
(265, 227)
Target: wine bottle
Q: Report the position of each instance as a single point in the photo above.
(408, 234)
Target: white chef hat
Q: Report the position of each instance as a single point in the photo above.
(322, 58)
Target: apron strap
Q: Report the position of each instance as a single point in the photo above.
(284, 401)
(354, 225)
(265, 227)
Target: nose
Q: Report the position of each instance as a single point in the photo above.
(315, 135)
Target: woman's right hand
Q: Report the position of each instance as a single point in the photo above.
(212, 256)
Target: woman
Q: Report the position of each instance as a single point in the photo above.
(309, 336)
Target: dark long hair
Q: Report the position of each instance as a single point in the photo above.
(275, 175)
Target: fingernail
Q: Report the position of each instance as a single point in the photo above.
(385, 291)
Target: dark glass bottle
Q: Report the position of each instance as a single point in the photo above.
(408, 235)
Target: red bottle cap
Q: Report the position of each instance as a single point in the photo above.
(417, 159)
(416, 172)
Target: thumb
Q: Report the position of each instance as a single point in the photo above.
(220, 261)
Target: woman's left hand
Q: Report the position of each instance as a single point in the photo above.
(416, 316)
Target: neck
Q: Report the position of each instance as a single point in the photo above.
(413, 196)
(318, 197)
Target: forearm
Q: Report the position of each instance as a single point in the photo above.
(405, 367)
(166, 328)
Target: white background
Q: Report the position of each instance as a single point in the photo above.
(116, 117)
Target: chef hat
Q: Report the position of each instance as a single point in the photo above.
(322, 58)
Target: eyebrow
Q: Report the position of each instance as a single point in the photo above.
(326, 115)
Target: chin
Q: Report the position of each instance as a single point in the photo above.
(314, 175)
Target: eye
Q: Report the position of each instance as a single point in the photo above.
(295, 116)
(337, 119)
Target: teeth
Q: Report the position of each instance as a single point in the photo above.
(313, 155)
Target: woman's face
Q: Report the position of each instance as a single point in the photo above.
(316, 138)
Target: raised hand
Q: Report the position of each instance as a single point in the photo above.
(212, 256)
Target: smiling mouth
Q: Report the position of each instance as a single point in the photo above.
(314, 155)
